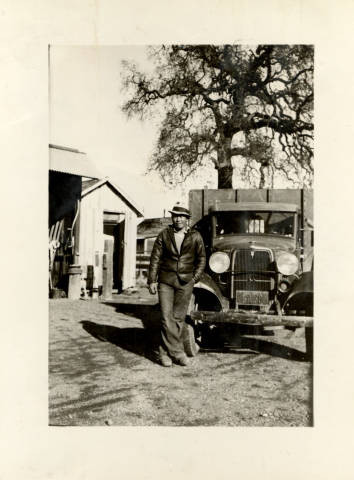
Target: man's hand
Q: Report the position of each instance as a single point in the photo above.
(153, 288)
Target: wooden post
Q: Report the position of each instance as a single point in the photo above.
(107, 272)
(89, 278)
(77, 234)
(205, 203)
(74, 288)
(95, 284)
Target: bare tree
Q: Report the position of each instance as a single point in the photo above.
(210, 95)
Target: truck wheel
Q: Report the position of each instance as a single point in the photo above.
(190, 346)
(309, 342)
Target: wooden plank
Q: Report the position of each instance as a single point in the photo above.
(112, 217)
(308, 204)
(200, 201)
(251, 195)
(89, 277)
(239, 318)
(195, 205)
(308, 219)
(56, 228)
(107, 272)
(224, 195)
(51, 232)
(285, 195)
(144, 266)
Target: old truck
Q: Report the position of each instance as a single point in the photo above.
(259, 273)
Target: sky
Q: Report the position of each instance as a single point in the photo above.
(85, 113)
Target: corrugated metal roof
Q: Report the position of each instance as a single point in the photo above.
(67, 160)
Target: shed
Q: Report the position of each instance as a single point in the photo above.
(108, 213)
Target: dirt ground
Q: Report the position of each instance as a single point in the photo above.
(101, 372)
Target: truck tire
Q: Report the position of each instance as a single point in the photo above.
(190, 345)
(309, 343)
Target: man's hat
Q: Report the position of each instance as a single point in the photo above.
(179, 210)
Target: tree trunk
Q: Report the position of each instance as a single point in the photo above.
(225, 176)
(262, 178)
(225, 169)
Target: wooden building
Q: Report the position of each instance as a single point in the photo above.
(86, 214)
(67, 169)
(108, 214)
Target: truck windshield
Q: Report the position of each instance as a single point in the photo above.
(254, 222)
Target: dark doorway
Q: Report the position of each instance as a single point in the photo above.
(64, 195)
(113, 226)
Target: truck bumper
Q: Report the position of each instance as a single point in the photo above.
(245, 318)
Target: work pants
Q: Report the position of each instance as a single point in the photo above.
(174, 300)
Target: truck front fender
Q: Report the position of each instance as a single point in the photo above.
(300, 298)
(208, 295)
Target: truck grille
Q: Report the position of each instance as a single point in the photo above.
(253, 276)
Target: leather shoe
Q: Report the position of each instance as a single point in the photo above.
(182, 360)
(165, 361)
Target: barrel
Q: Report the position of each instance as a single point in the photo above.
(74, 291)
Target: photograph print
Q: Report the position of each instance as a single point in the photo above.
(181, 251)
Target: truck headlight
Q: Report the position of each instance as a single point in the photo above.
(287, 263)
(219, 262)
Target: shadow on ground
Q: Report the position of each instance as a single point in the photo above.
(273, 349)
(140, 341)
(148, 314)
(144, 341)
(240, 342)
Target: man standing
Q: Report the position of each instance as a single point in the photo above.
(177, 262)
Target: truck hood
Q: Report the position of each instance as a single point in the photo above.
(274, 242)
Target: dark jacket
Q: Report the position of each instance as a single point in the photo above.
(166, 262)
